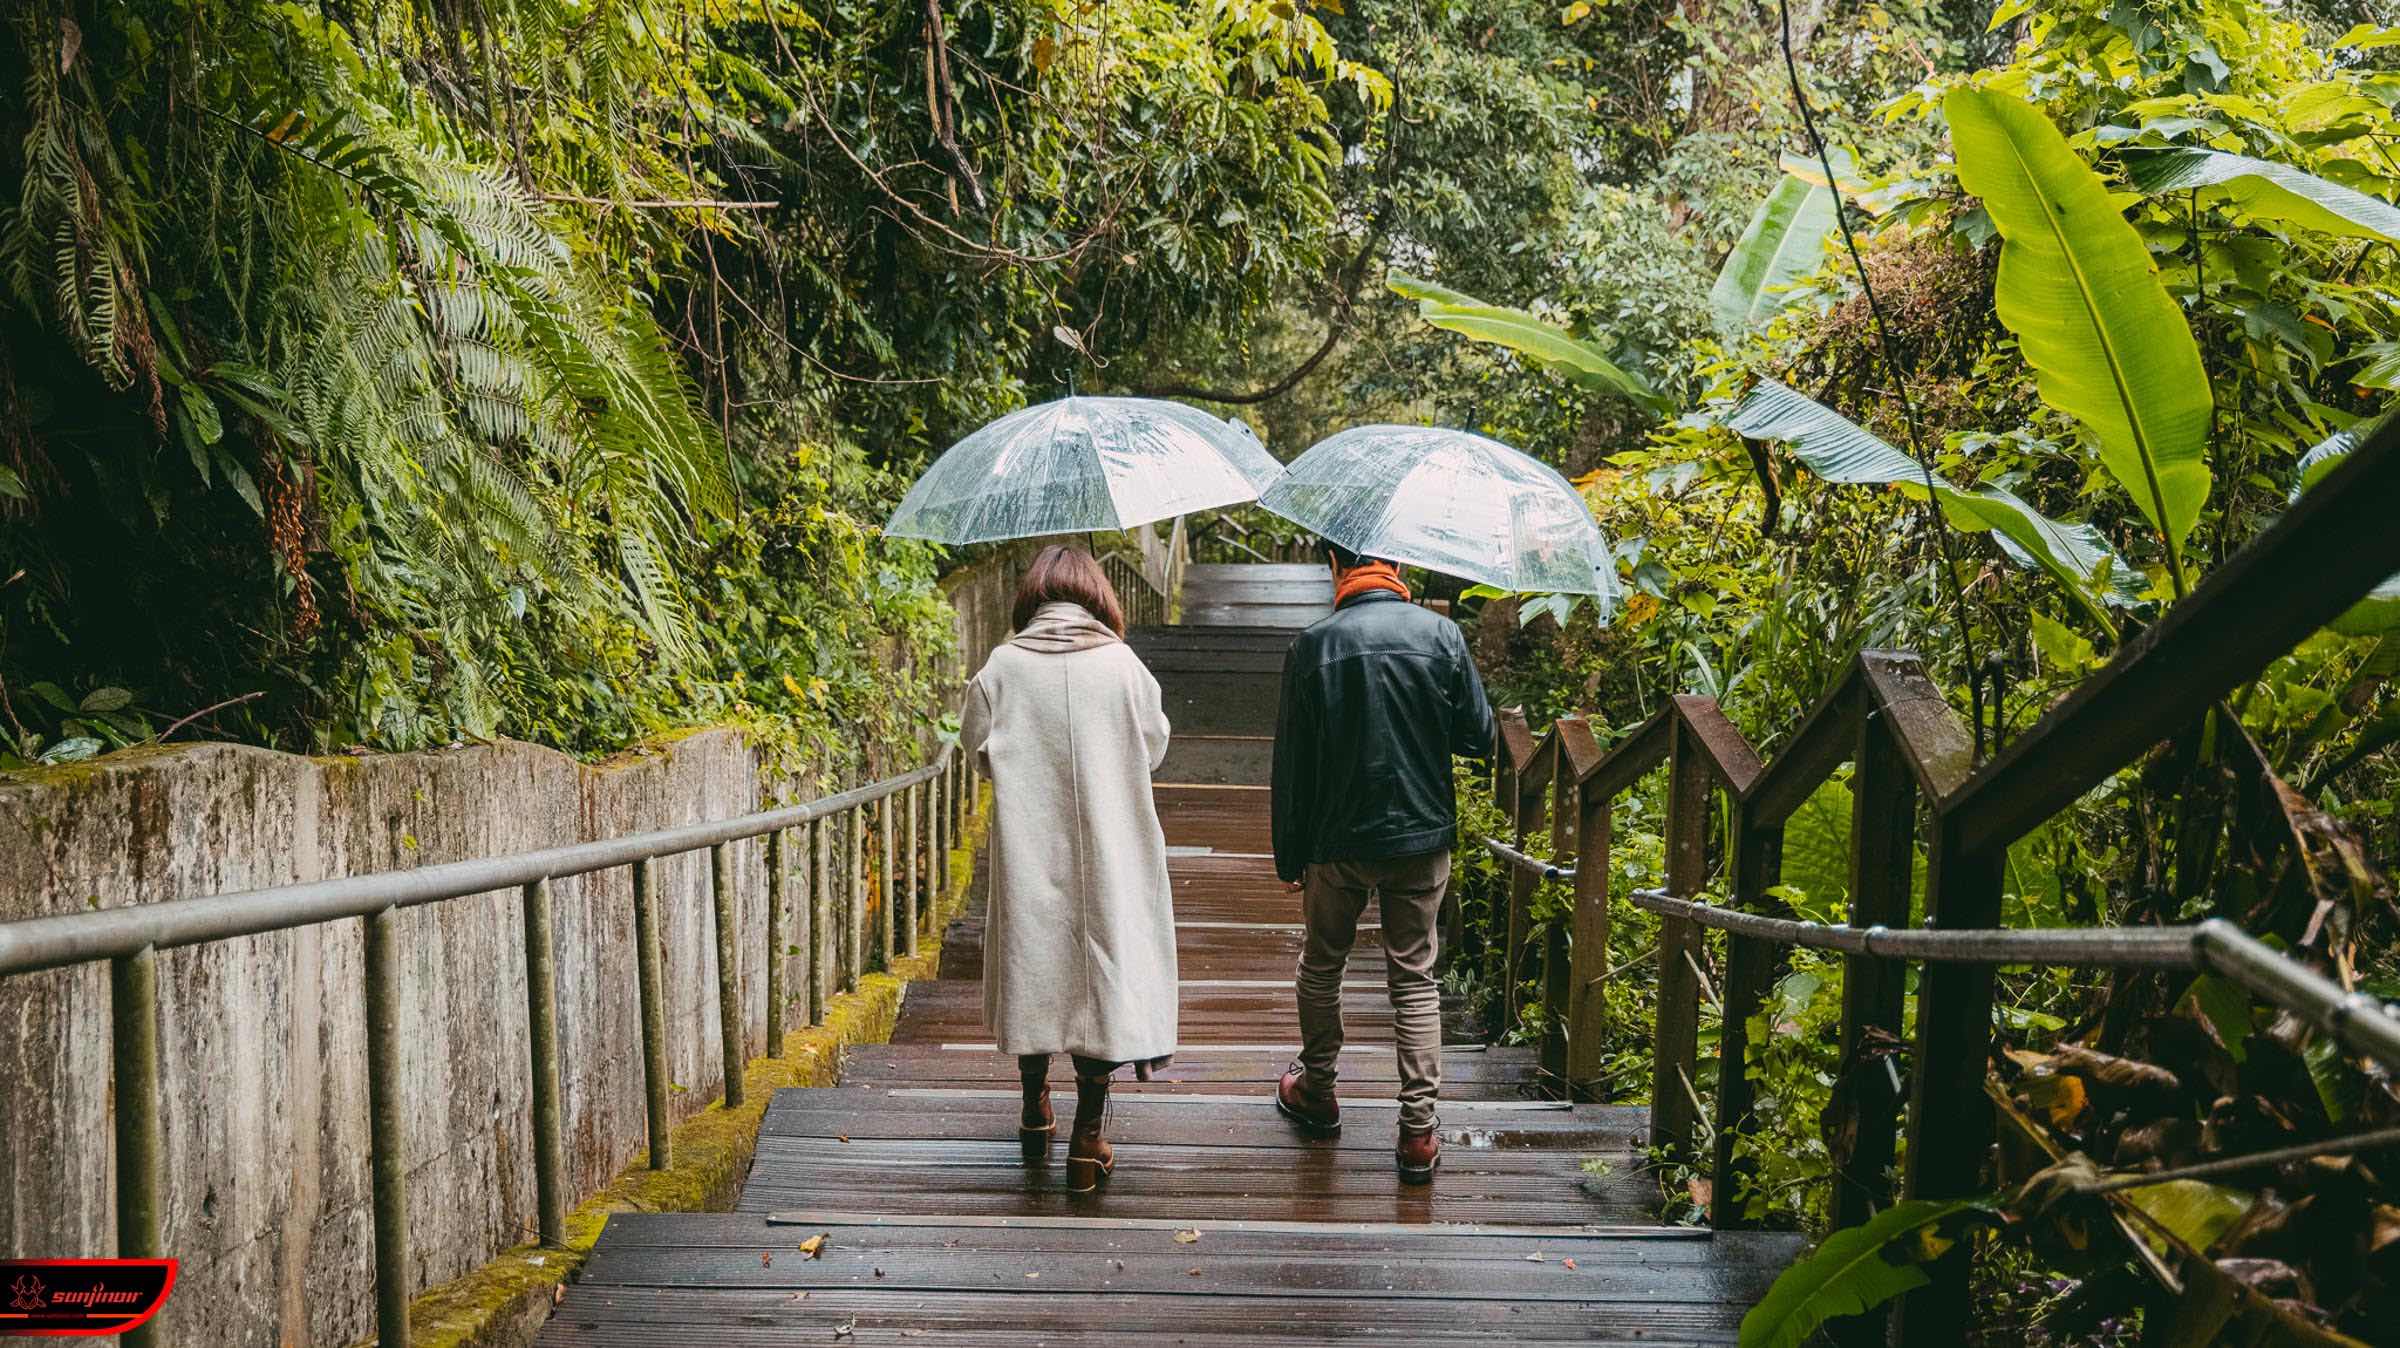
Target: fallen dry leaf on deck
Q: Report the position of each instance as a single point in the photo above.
(1191, 1273)
(846, 1328)
(1568, 1263)
(1536, 1258)
(1033, 1275)
(797, 1296)
(1186, 1237)
(765, 1260)
(814, 1246)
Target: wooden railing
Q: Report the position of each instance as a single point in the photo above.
(1144, 598)
(1911, 753)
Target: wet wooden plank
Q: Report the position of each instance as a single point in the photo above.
(740, 1252)
(966, 1115)
(613, 1316)
(1445, 1240)
(951, 1011)
(1286, 1182)
(1246, 1071)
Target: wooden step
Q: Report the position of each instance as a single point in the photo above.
(741, 1279)
(1369, 1071)
(1218, 760)
(951, 1011)
(1247, 1120)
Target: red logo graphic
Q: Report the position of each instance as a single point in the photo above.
(82, 1296)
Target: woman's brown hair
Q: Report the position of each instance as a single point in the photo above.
(1065, 575)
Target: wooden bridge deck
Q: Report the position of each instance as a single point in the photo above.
(938, 1232)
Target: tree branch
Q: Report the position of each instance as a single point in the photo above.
(945, 116)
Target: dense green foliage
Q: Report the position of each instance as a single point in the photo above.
(422, 371)
(2128, 278)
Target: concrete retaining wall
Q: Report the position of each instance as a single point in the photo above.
(262, 1039)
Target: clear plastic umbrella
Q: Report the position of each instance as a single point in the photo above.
(1453, 502)
(1079, 465)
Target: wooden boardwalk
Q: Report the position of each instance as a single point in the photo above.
(1222, 1225)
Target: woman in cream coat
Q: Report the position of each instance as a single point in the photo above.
(1079, 942)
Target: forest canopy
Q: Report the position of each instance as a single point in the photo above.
(399, 373)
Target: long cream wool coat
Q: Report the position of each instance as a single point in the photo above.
(1079, 944)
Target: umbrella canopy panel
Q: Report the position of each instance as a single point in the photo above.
(1080, 465)
(1449, 501)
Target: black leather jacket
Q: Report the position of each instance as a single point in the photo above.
(1376, 699)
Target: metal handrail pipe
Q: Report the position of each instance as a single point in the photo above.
(1512, 857)
(61, 939)
(2358, 1021)
(2072, 947)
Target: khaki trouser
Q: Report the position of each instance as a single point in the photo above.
(1409, 894)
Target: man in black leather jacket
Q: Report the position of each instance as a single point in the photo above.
(1377, 698)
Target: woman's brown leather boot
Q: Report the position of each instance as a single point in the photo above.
(1089, 1159)
(1036, 1125)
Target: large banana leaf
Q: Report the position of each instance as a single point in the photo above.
(2380, 610)
(1831, 445)
(1418, 288)
(1785, 241)
(2067, 551)
(1542, 342)
(2265, 188)
(1808, 169)
(1840, 450)
(2079, 290)
(1850, 1272)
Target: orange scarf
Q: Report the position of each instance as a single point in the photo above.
(1368, 576)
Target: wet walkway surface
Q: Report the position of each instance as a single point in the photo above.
(1222, 1224)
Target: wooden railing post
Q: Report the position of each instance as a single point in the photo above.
(1512, 756)
(1524, 818)
(820, 918)
(1673, 1104)
(1949, 1118)
(1883, 829)
(731, 1039)
(1575, 752)
(910, 889)
(649, 968)
(776, 945)
(854, 896)
(1750, 966)
(938, 832)
(541, 1027)
(1586, 1003)
(140, 1139)
(887, 881)
(387, 1129)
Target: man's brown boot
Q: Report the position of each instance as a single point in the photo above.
(1089, 1159)
(1317, 1118)
(1036, 1125)
(1418, 1155)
